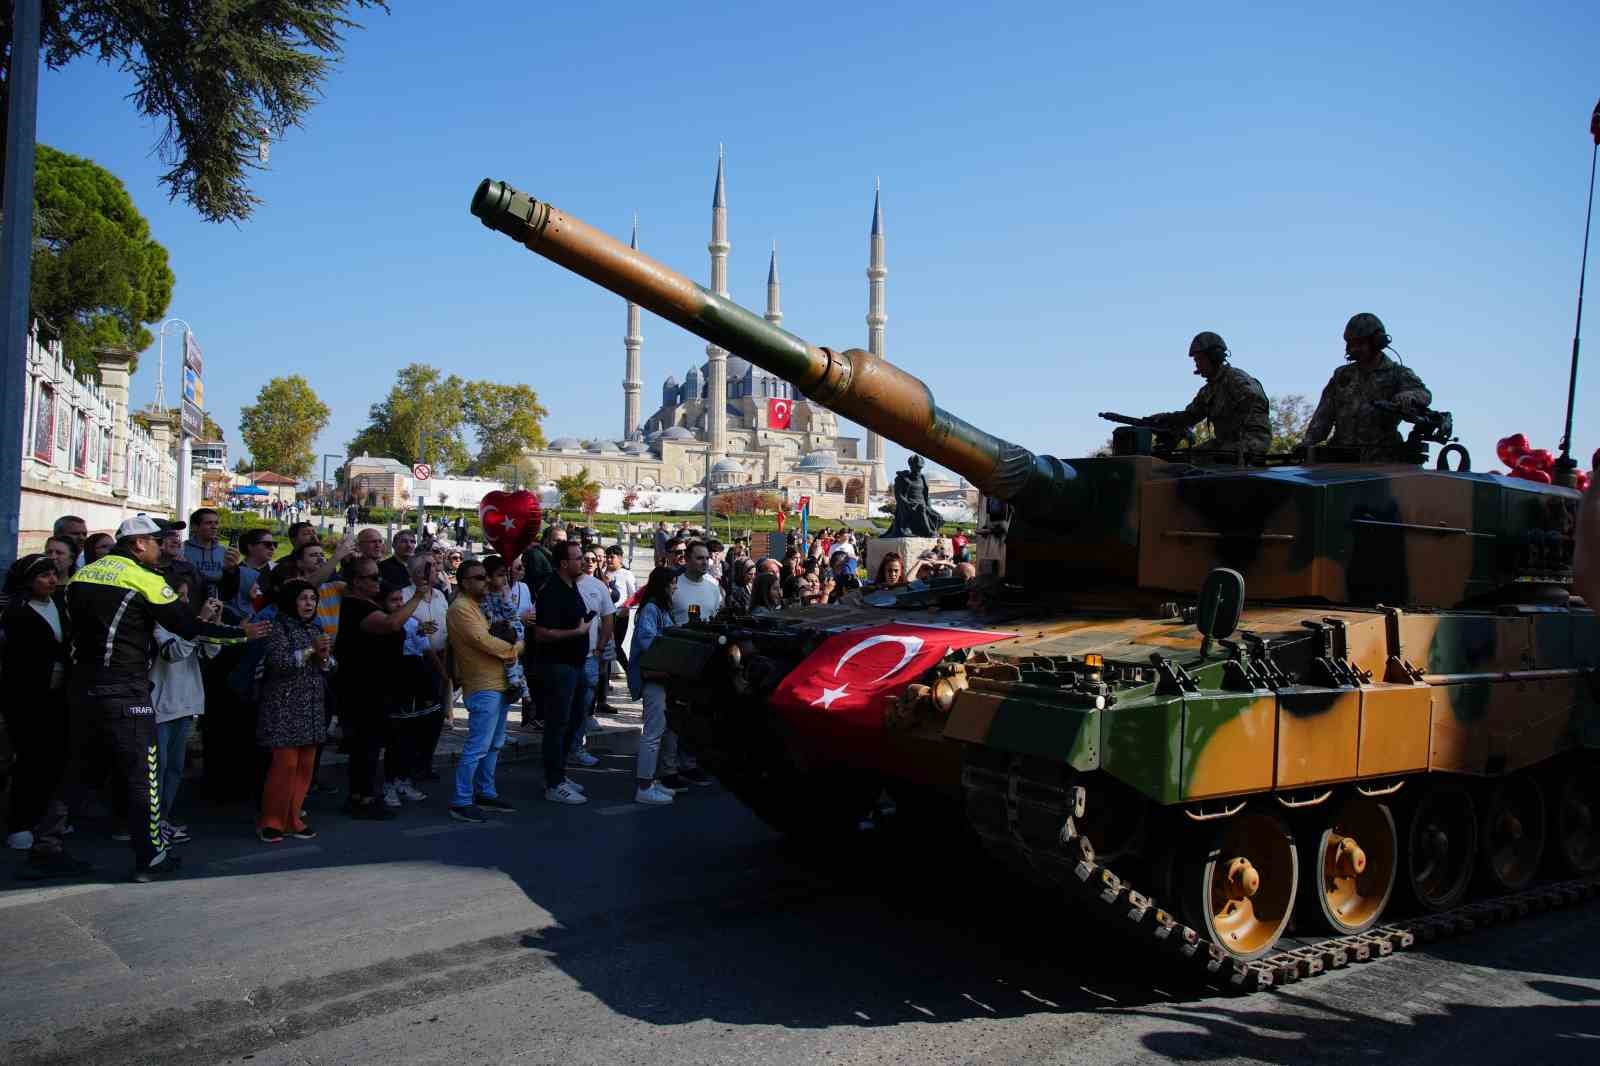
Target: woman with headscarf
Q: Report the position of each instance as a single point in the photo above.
(34, 663)
(294, 691)
(737, 598)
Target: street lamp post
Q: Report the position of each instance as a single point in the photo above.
(327, 489)
(161, 359)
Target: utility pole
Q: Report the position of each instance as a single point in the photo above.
(327, 487)
(16, 253)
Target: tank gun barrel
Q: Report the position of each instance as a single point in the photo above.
(861, 386)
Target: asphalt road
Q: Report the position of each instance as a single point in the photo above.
(617, 934)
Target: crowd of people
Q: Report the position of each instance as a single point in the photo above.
(118, 647)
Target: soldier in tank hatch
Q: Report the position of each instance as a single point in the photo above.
(1351, 405)
(1232, 401)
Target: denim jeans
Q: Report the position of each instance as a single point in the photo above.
(562, 697)
(588, 682)
(655, 728)
(172, 738)
(486, 735)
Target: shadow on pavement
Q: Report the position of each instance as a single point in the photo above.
(668, 917)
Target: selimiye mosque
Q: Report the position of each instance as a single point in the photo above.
(723, 406)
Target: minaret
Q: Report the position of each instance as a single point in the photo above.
(876, 318)
(717, 358)
(632, 382)
(774, 309)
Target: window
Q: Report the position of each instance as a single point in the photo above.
(44, 421)
(105, 455)
(80, 442)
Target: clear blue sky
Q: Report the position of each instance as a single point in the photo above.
(1070, 193)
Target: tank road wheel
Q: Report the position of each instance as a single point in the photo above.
(1441, 840)
(1351, 863)
(1240, 892)
(1513, 833)
(1575, 807)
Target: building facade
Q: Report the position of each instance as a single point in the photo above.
(84, 452)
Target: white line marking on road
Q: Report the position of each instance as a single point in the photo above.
(456, 827)
(30, 896)
(274, 855)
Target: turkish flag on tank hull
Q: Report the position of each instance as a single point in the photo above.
(842, 686)
(778, 413)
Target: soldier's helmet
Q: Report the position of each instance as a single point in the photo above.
(1364, 325)
(1209, 343)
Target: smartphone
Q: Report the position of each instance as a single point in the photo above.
(232, 537)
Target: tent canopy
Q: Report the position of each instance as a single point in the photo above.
(249, 490)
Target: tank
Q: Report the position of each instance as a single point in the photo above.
(1268, 719)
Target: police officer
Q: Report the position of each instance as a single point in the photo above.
(115, 604)
(1232, 401)
(1350, 402)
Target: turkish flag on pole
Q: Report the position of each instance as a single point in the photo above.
(778, 413)
(844, 684)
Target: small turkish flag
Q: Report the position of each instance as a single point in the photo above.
(843, 685)
(778, 413)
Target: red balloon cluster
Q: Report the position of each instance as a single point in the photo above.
(1532, 464)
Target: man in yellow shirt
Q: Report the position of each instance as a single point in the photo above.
(481, 661)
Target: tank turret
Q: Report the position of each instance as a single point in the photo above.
(863, 387)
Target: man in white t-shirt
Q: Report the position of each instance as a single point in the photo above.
(624, 586)
(695, 587)
(596, 596)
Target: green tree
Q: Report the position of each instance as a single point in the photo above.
(506, 419)
(1289, 415)
(216, 73)
(98, 276)
(422, 397)
(281, 427)
(575, 489)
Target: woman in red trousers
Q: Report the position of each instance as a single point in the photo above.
(294, 689)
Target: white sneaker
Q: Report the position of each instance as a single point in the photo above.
(591, 724)
(409, 791)
(655, 794)
(575, 784)
(20, 841)
(582, 758)
(391, 796)
(565, 793)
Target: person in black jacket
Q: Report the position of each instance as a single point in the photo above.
(115, 604)
(35, 664)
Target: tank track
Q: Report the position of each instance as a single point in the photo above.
(1028, 813)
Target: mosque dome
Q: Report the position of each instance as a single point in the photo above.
(727, 466)
(566, 444)
(676, 433)
(635, 447)
(822, 459)
(603, 446)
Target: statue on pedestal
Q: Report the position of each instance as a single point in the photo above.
(914, 515)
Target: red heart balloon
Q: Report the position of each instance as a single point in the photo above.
(510, 521)
(1510, 449)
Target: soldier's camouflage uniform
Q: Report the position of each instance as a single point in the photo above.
(1235, 404)
(1347, 408)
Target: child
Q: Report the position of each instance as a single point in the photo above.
(179, 697)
